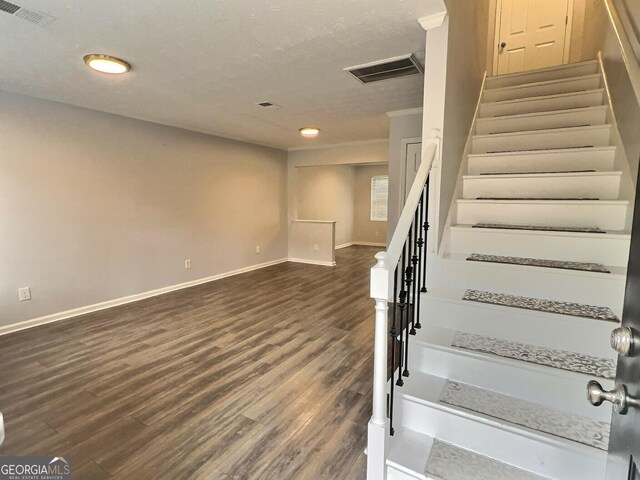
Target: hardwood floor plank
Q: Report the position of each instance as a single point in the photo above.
(261, 375)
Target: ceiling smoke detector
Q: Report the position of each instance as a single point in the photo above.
(386, 69)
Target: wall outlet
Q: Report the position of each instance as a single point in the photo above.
(376, 233)
(315, 247)
(187, 263)
(24, 294)
(258, 249)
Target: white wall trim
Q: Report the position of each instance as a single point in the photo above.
(339, 145)
(55, 317)
(432, 21)
(312, 262)
(361, 244)
(404, 113)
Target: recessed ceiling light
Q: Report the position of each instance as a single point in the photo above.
(106, 63)
(309, 132)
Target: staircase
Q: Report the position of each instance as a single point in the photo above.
(529, 285)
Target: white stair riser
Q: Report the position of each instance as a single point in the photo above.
(573, 118)
(540, 89)
(565, 286)
(542, 385)
(554, 331)
(561, 102)
(599, 136)
(530, 453)
(395, 474)
(603, 187)
(597, 248)
(568, 71)
(599, 159)
(606, 216)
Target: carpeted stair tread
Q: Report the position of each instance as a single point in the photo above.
(540, 149)
(527, 414)
(538, 173)
(536, 262)
(544, 128)
(541, 305)
(554, 199)
(548, 357)
(449, 462)
(540, 228)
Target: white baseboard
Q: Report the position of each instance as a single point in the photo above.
(55, 317)
(362, 244)
(313, 262)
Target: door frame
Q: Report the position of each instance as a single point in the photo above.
(496, 34)
(404, 143)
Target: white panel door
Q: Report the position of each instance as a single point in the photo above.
(532, 34)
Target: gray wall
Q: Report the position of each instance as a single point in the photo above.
(95, 207)
(466, 65)
(400, 127)
(326, 193)
(364, 230)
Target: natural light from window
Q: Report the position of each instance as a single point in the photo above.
(379, 198)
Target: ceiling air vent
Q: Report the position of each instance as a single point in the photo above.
(386, 69)
(8, 7)
(32, 16)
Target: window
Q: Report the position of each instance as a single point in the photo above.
(379, 198)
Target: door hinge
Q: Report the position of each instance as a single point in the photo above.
(566, 20)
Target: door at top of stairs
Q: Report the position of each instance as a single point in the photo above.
(531, 34)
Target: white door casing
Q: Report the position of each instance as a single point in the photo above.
(535, 34)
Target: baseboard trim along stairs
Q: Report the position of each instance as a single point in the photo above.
(528, 284)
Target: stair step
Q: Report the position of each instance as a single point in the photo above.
(544, 103)
(540, 140)
(588, 67)
(539, 228)
(588, 245)
(446, 309)
(432, 351)
(560, 359)
(536, 262)
(521, 412)
(553, 283)
(547, 186)
(549, 87)
(543, 120)
(449, 462)
(603, 214)
(426, 406)
(541, 305)
(594, 158)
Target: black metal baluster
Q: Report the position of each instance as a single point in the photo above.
(414, 264)
(425, 227)
(394, 339)
(408, 279)
(421, 254)
(402, 304)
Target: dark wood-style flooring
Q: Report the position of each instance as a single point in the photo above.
(265, 375)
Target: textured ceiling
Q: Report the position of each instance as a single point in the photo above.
(204, 64)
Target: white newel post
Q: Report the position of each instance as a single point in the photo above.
(378, 429)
